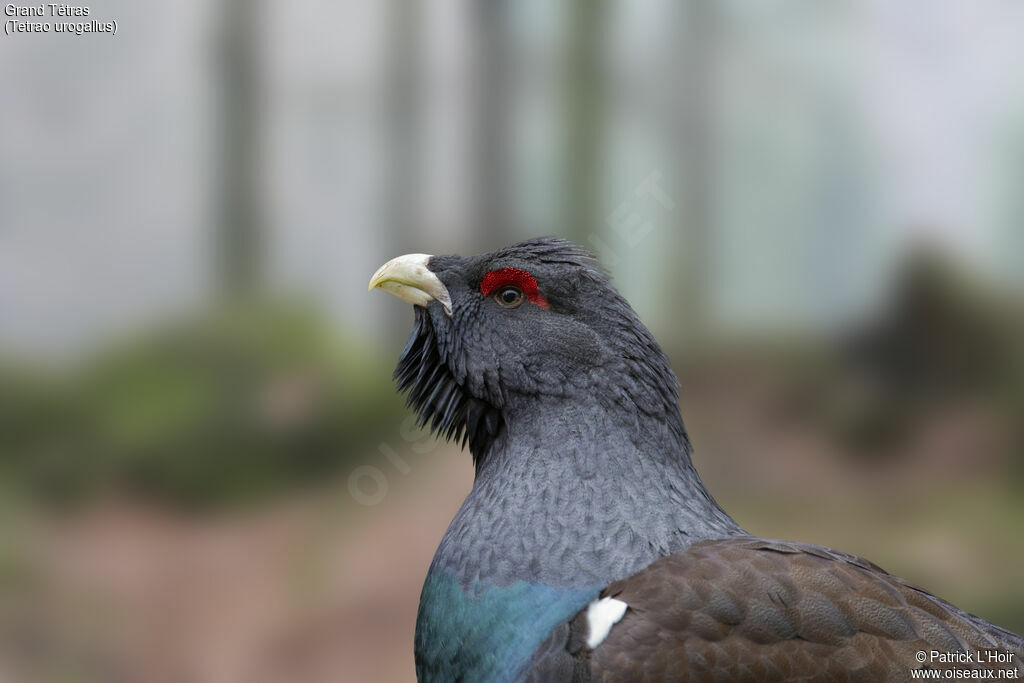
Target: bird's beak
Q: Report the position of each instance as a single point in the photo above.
(408, 278)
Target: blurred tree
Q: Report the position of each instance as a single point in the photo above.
(946, 339)
(695, 102)
(585, 109)
(1010, 200)
(241, 109)
(404, 103)
(492, 215)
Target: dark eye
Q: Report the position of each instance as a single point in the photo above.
(509, 297)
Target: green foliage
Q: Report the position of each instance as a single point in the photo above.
(228, 406)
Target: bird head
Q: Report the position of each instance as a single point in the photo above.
(500, 331)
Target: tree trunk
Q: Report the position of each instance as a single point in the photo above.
(585, 107)
(241, 106)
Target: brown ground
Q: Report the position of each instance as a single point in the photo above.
(320, 588)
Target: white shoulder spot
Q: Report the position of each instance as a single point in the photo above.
(601, 616)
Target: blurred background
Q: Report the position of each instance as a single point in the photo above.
(205, 472)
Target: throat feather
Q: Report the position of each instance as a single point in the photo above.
(438, 397)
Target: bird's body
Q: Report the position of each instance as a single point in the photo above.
(589, 548)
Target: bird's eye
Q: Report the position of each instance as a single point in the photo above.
(510, 286)
(509, 297)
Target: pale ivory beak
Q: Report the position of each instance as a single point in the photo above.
(408, 278)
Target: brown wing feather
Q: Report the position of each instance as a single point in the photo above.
(748, 609)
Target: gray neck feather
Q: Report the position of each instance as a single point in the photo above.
(576, 493)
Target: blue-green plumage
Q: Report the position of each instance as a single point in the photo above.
(487, 633)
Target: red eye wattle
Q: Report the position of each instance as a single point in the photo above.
(514, 277)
